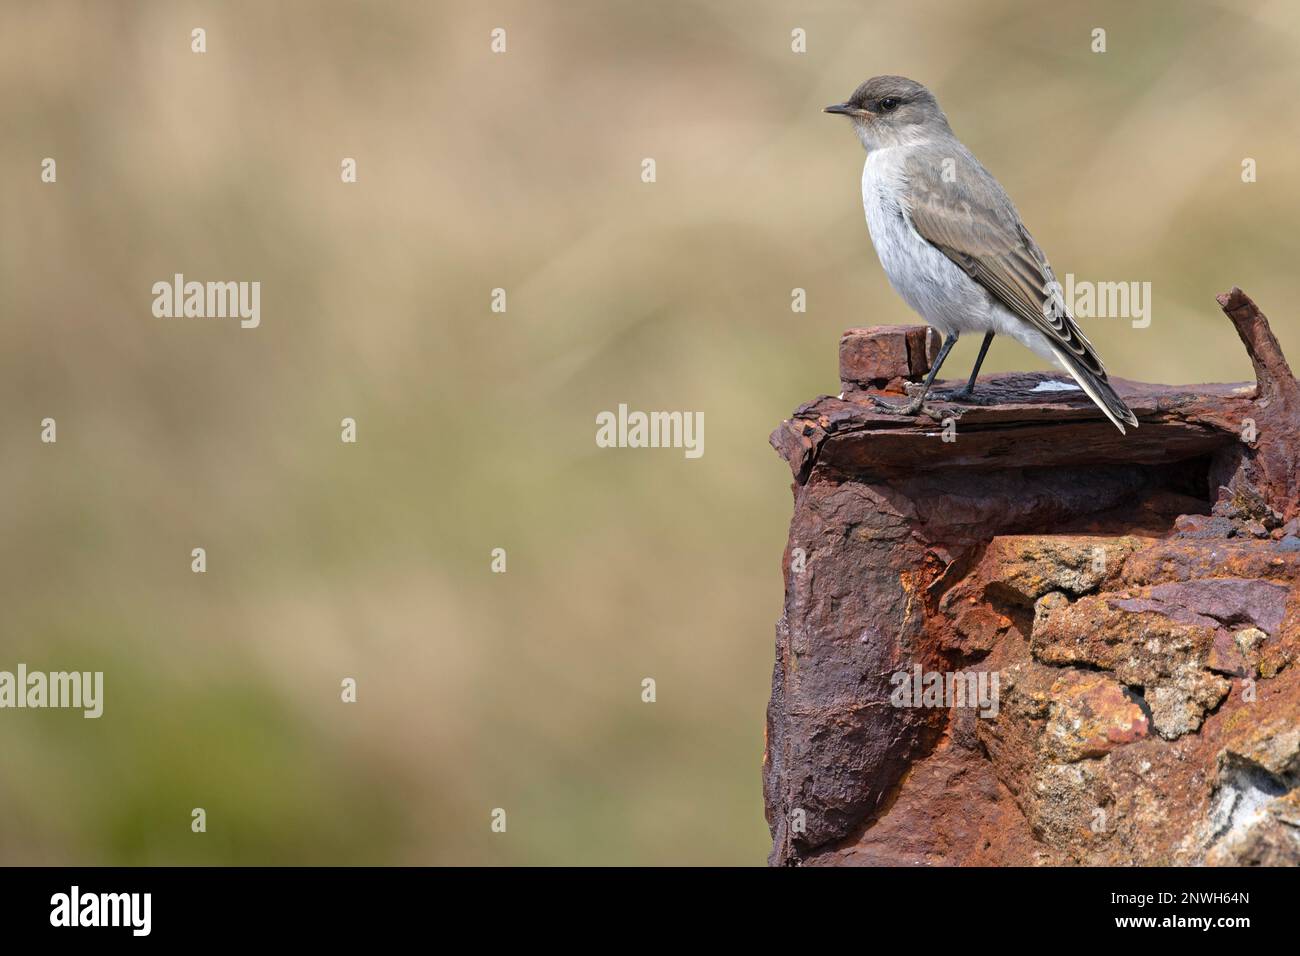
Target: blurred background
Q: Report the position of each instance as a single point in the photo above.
(476, 430)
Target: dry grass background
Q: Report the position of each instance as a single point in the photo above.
(476, 430)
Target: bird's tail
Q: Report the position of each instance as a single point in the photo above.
(1098, 389)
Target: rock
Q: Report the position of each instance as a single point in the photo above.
(1248, 640)
(1204, 526)
(1255, 817)
(1228, 657)
(1142, 647)
(1179, 703)
(979, 627)
(1261, 829)
(1230, 601)
(1135, 596)
(1090, 716)
(1022, 568)
(883, 353)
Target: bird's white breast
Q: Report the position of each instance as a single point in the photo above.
(928, 281)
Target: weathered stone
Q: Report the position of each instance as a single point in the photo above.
(1091, 715)
(1136, 595)
(882, 354)
(1230, 601)
(1255, 815)
(1204, 526)
(1141, 647)
(1022, 568)
(1259, 828)
(1248, 640)
(1145, 649)
(1227, 656)
(978, 628)
(1180, 702)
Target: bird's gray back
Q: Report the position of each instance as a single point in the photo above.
(957, 206)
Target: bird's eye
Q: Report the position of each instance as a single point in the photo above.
(888, 104)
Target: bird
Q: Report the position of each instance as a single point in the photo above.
(954, 247)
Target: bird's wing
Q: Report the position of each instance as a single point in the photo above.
(957, 206)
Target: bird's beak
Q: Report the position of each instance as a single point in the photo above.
(844, 109)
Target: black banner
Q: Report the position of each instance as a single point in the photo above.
(331, 905)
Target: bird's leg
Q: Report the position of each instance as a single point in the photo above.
(963, 394)
(917, 403)
(969, 390)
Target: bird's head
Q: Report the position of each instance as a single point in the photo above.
(892, 111)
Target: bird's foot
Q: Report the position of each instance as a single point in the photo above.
(917, 406)
(961, 396)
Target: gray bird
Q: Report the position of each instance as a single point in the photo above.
(953, 245)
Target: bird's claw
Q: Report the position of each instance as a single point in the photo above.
(956, 395)
(961, 396)
(917, 406)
